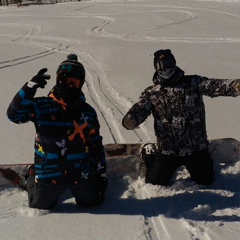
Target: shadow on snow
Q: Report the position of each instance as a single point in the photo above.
(183, 199)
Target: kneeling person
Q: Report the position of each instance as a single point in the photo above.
(176, 102)
(68, 146)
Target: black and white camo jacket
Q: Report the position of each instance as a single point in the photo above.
(178, 110)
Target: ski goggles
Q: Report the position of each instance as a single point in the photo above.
(73, 82)
(164, 65)
(70, 81)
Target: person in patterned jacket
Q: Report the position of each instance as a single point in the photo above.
(68, 146)
(176, 102)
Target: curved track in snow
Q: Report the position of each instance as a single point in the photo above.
(96, 85)
(111, 105)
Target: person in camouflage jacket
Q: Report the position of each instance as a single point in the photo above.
(176, 102)
(68, 146)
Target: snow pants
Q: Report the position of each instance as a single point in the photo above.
(45, 196)
(160, 170)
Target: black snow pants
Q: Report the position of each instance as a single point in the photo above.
(45, 196)
(161, 169)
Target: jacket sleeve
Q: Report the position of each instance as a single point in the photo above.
(97, 148)
(213, 87)
(20, 109)
(143, 108)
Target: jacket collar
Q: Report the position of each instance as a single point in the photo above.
(66, 105)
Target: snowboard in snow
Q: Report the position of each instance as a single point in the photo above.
(226, 150)
(13, 174)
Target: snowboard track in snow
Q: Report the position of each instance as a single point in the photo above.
(67, 45)
(99, 81)
(139, 35)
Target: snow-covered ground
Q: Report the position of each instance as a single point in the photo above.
(115, 40)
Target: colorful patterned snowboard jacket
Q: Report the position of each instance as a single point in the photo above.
(178, 110)
(68, 146)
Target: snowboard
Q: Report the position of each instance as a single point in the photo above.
(226, 150)
(14, 174)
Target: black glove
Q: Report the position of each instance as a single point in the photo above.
(102, 182)
(39, 80)
(129, 122)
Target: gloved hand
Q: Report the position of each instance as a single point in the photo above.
(102, 182)
(129, 122)
(236, 85)
(39, 80)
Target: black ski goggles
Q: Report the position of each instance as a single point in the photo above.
(163, 65)
(71, 81)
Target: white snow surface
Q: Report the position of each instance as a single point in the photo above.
(115, 40)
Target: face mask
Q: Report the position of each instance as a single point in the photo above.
(166, 73)
(67, 93)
